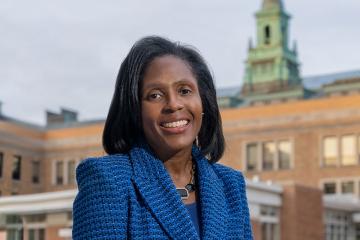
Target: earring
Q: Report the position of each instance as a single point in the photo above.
(197, 141)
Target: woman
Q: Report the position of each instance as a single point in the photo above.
(163, 135)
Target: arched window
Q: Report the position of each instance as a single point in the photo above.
(267, 34)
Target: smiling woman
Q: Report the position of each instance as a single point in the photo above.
(163, 135)
(171, 106)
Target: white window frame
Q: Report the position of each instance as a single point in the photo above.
(65, 162)
(260, 154)
(338, 181)
(338, 158)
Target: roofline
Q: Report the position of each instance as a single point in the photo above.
(45, 128)
(348, 203)
(264, 186)
(38, 203)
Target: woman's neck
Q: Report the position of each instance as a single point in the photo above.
(180, 169)
(179, 164)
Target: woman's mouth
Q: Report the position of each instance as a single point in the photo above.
(176, 124)
(175, 127)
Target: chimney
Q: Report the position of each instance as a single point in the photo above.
(66, 116)
(69, 115)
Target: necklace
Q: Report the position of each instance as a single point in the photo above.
(190, 187)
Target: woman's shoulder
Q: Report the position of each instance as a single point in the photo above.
(226, 171)
(103, 184)
(104, 167)
(105, 161)
(114, 161)
(229, 175)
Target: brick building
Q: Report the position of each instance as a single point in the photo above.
(279, 147)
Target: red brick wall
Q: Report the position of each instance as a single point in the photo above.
(52, 233)
(256, 228)
(301, 213)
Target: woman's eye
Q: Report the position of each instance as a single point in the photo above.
(185, 91)
(154, 96)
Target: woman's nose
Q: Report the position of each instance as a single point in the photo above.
(174, 103)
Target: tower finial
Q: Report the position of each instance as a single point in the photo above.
(268, 4)
(295, 47)
(250, 46)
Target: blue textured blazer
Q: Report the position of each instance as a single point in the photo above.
(131, 196)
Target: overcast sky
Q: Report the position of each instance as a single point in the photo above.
(66, 53)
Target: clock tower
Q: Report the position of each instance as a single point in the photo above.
(272, 67)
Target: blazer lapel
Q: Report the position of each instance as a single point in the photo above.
(160, 195)
(213, 207)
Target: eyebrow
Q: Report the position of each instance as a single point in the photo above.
(159, 85)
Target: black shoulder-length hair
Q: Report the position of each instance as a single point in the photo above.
(123, 125)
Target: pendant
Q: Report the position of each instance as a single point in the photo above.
(184, 193)
(190, 187)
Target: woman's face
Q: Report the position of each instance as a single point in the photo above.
(171, 106)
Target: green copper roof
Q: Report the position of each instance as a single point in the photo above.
(271, 65)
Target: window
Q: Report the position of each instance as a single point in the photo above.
(347, 187)
(330, 188)
(59, 171)
(268, 211)
(330, 151)
(337, 225)
(357, 231)
(71, 172)
(14, 229)
(36, 234)
(348, 150)
(270, 229)
(284, 154)
(342, 186)
(251, 156)
(14, 234)
(1, 163)
(268, 155)
(35, 172)
(267, 34)
(16, 168)
(341, 150)
(13, 219)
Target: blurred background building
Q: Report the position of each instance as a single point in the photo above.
(296, 139)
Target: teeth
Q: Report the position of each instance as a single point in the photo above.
(180, 123)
